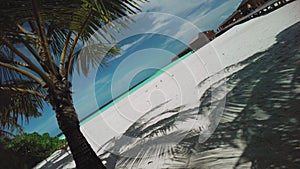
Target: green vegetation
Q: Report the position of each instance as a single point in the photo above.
(27, 149)
(40, 45)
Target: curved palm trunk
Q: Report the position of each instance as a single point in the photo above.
(83, 154)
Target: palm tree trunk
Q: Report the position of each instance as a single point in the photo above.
(83, 154)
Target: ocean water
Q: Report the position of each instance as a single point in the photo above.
(259, 128)
(247, 112)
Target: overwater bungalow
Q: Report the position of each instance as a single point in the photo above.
(249, 9)
(199, 41)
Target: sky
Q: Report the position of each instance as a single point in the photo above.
(162, 30)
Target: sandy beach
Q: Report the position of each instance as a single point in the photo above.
(231, 104)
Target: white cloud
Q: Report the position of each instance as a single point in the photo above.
(103, 80)
(175, 7)
(134, 43)
(175, 19)
(216, 16)
(180, 27)
(198, 17)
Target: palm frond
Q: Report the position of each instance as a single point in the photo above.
(45, 38)
(11, 69)
(15, 104)
(18, 107)
(45, 26)
(92, 56)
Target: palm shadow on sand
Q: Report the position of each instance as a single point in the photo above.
(260, 127)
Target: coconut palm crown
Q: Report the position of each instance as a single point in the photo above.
(39, 44)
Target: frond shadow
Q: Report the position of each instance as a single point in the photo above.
(260, 125)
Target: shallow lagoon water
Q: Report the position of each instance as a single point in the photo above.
(259, 127)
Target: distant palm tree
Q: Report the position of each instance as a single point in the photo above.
(43, 38)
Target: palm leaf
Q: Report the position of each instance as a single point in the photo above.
(92, 56)
(14, 105)
(22, 20)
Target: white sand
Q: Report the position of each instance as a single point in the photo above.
(178, 85)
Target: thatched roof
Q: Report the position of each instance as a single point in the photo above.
(244, 2)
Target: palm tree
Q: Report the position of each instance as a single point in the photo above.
(44, 38)
(15, 106)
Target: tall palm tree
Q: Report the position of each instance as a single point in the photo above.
(44, 37)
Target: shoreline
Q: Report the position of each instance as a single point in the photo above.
(224, 50)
